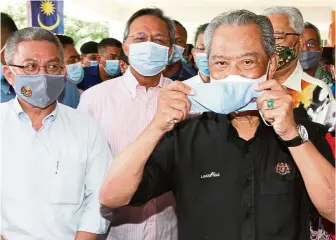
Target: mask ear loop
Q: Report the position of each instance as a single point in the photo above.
(267, 78)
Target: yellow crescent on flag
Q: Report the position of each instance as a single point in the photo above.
(50, 28)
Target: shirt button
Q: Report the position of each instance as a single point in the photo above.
(248, 182)
(248, 213)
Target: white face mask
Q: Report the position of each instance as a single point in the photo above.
(233, 93)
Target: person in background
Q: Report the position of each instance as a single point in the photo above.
(8, 27)
(187, 55)
(125, 106)
(310, 56)
(108, 64)
(109, 50)
(123, 61)
(233, 176)
(54, 158)
(89, 54)
(75, 72)
(200, 57)
(176, 68)
(311, 95)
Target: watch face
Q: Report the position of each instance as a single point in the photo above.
(303, 133)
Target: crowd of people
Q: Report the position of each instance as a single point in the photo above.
(231, 137)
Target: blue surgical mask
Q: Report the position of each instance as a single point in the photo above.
(39, 90)
(177, 54)
(234, 93)
(202, 63)
(75, 72)
(94, 63)
(112, 67)
(148, 58)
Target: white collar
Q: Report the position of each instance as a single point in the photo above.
(132, 83)
(294, 80)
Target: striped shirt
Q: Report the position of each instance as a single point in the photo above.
(124, 109)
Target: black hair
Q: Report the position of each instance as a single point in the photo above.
(188, 49)
(65, 40)
(309, 25)
(199, 30)
(8, 23)
(112, 42)
(152, 12)
(184, 29)
(123, 57)
(89, 47)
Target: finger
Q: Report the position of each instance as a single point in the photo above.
(270, 84)
(173, 114)
(282, 111)
(263, 105)
(179, 105)
(171, 94)
(275, 95)
(181, 87)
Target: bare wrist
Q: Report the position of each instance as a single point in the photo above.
(153, 130)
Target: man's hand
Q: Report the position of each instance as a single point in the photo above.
(281, 114)
(85, 236)
(173, 106)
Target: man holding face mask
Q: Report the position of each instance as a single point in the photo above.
(125, 106)
(233, 177)
(311, 96)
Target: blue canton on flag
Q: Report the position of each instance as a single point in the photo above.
(48, 14)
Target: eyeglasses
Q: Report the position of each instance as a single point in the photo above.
(33, 68)
(280, 37)
(312, 44)
(144, 37)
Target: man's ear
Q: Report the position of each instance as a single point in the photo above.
(123, 66)
(193, 53)
(9, 75)
(100, 60)
(273, 65)
(125, 47)
(170, 52)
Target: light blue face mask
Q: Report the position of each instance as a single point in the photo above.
(112, 67)
(177, 54)
(75, 72)
(148, 58)
(39, 90)
(234, 93)
(93, 63)
(202, 63)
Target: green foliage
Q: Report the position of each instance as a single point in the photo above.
(80, 31)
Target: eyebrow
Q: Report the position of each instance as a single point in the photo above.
(254, 54)
(35, 60)
(311, 39)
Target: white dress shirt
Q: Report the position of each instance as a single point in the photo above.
(124, 109)
(50, 179)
